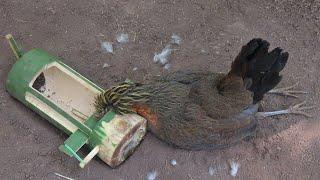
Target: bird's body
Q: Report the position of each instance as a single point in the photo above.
(202, 110)
(191, 113)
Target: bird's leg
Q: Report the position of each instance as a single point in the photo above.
(287, 91)
(293, 109)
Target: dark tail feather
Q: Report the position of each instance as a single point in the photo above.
(259, 68)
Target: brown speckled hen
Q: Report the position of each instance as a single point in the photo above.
(202, 110)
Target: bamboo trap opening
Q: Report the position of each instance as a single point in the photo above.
(66, 90)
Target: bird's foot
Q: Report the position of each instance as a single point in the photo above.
(293, 109)
(287, 91)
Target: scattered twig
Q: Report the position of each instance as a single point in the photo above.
(62, 176)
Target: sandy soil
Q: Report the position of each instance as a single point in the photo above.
(286, 147)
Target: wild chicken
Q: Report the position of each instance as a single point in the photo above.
(205, 110)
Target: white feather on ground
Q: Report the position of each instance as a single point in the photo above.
(152, 175)
(212, 171)
(175, 39)
(162, 57)
(173, 162)
(123, 38)
(107, 47)
(167, 66)
(234, 167)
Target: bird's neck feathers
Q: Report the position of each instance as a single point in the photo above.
(121, 99)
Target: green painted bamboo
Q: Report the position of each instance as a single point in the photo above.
(92, 131)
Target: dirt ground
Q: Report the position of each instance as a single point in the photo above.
(286, 147)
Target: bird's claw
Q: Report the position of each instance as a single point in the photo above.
(287, 91)
(299, 109)
(293, 109)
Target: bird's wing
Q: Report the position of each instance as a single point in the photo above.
(199, 131)
(235, 123)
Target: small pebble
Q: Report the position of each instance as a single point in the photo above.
(152, 175)
(105, 65)
(173, 162)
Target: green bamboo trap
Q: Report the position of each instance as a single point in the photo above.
(65, 98)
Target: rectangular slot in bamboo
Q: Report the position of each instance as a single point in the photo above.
(66, 90)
